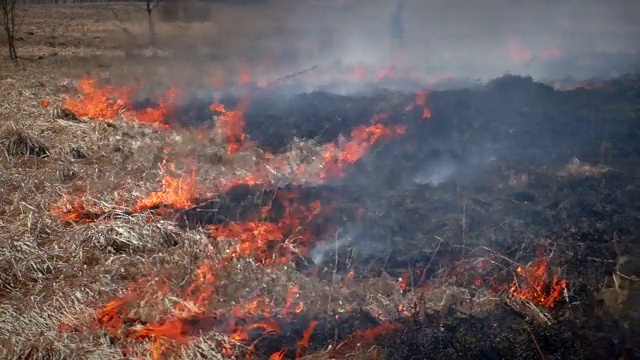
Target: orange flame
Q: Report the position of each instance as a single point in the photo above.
(231, 125)
(336, 159)
(371, 334)
(107, 102)
(254, 237)
(98, 102)
(535, 284)
(306, 336)
(78, 210)
(279, 355)
(176, 193)
(160, 114)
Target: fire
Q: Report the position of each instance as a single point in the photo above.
(279, 355)
(108, 314)
(108, 102)
(291, 295)
(302, 345)
(360, 72)
(266, 241)
(98, 102)
(159, 115)
(176, 193)
(421, 101)
(403, 282)
(385, 74)
(532, 283)
(371, 334)
(337, 158)
(231, 125)
(80, 210)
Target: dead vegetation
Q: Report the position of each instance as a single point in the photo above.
(21, 143)
(56, 276)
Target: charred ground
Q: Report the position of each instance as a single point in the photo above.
(522, 180)
(420, 244)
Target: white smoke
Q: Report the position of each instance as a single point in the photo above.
(467, 39)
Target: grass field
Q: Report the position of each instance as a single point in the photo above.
(97, 263)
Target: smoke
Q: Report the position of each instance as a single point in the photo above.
(437, 171)
(481, 40)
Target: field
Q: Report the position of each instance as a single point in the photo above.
(232, 192)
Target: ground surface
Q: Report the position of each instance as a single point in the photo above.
(228, 218)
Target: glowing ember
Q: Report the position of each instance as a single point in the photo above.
(532, 283)
(371, 334)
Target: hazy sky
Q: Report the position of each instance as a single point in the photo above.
(472, 38)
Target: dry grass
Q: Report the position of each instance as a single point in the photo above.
(54, 273)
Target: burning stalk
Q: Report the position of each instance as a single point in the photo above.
(533, 283)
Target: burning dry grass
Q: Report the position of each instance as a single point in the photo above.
(89, 241)
(93, 265)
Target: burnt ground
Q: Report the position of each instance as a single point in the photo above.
(509, 168)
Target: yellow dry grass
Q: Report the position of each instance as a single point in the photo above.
(53, 273)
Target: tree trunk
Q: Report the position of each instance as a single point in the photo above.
(152, 31)
(13, 55)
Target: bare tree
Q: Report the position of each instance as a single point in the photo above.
(9, 25)
(150, 5)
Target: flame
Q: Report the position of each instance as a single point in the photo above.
(279, 355)
(535, 286)
(176, 193)
(79, 210)
(108, 314)
(385, 74)
(98, 102)
(403, 282)
(292, 293)
(231, 124)
(371, 334)
(165, 108)
(360, 72)
(337, 158)
(306, 336)
(108, 102)
(270, 243)
(245, 74)
(265, 241)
